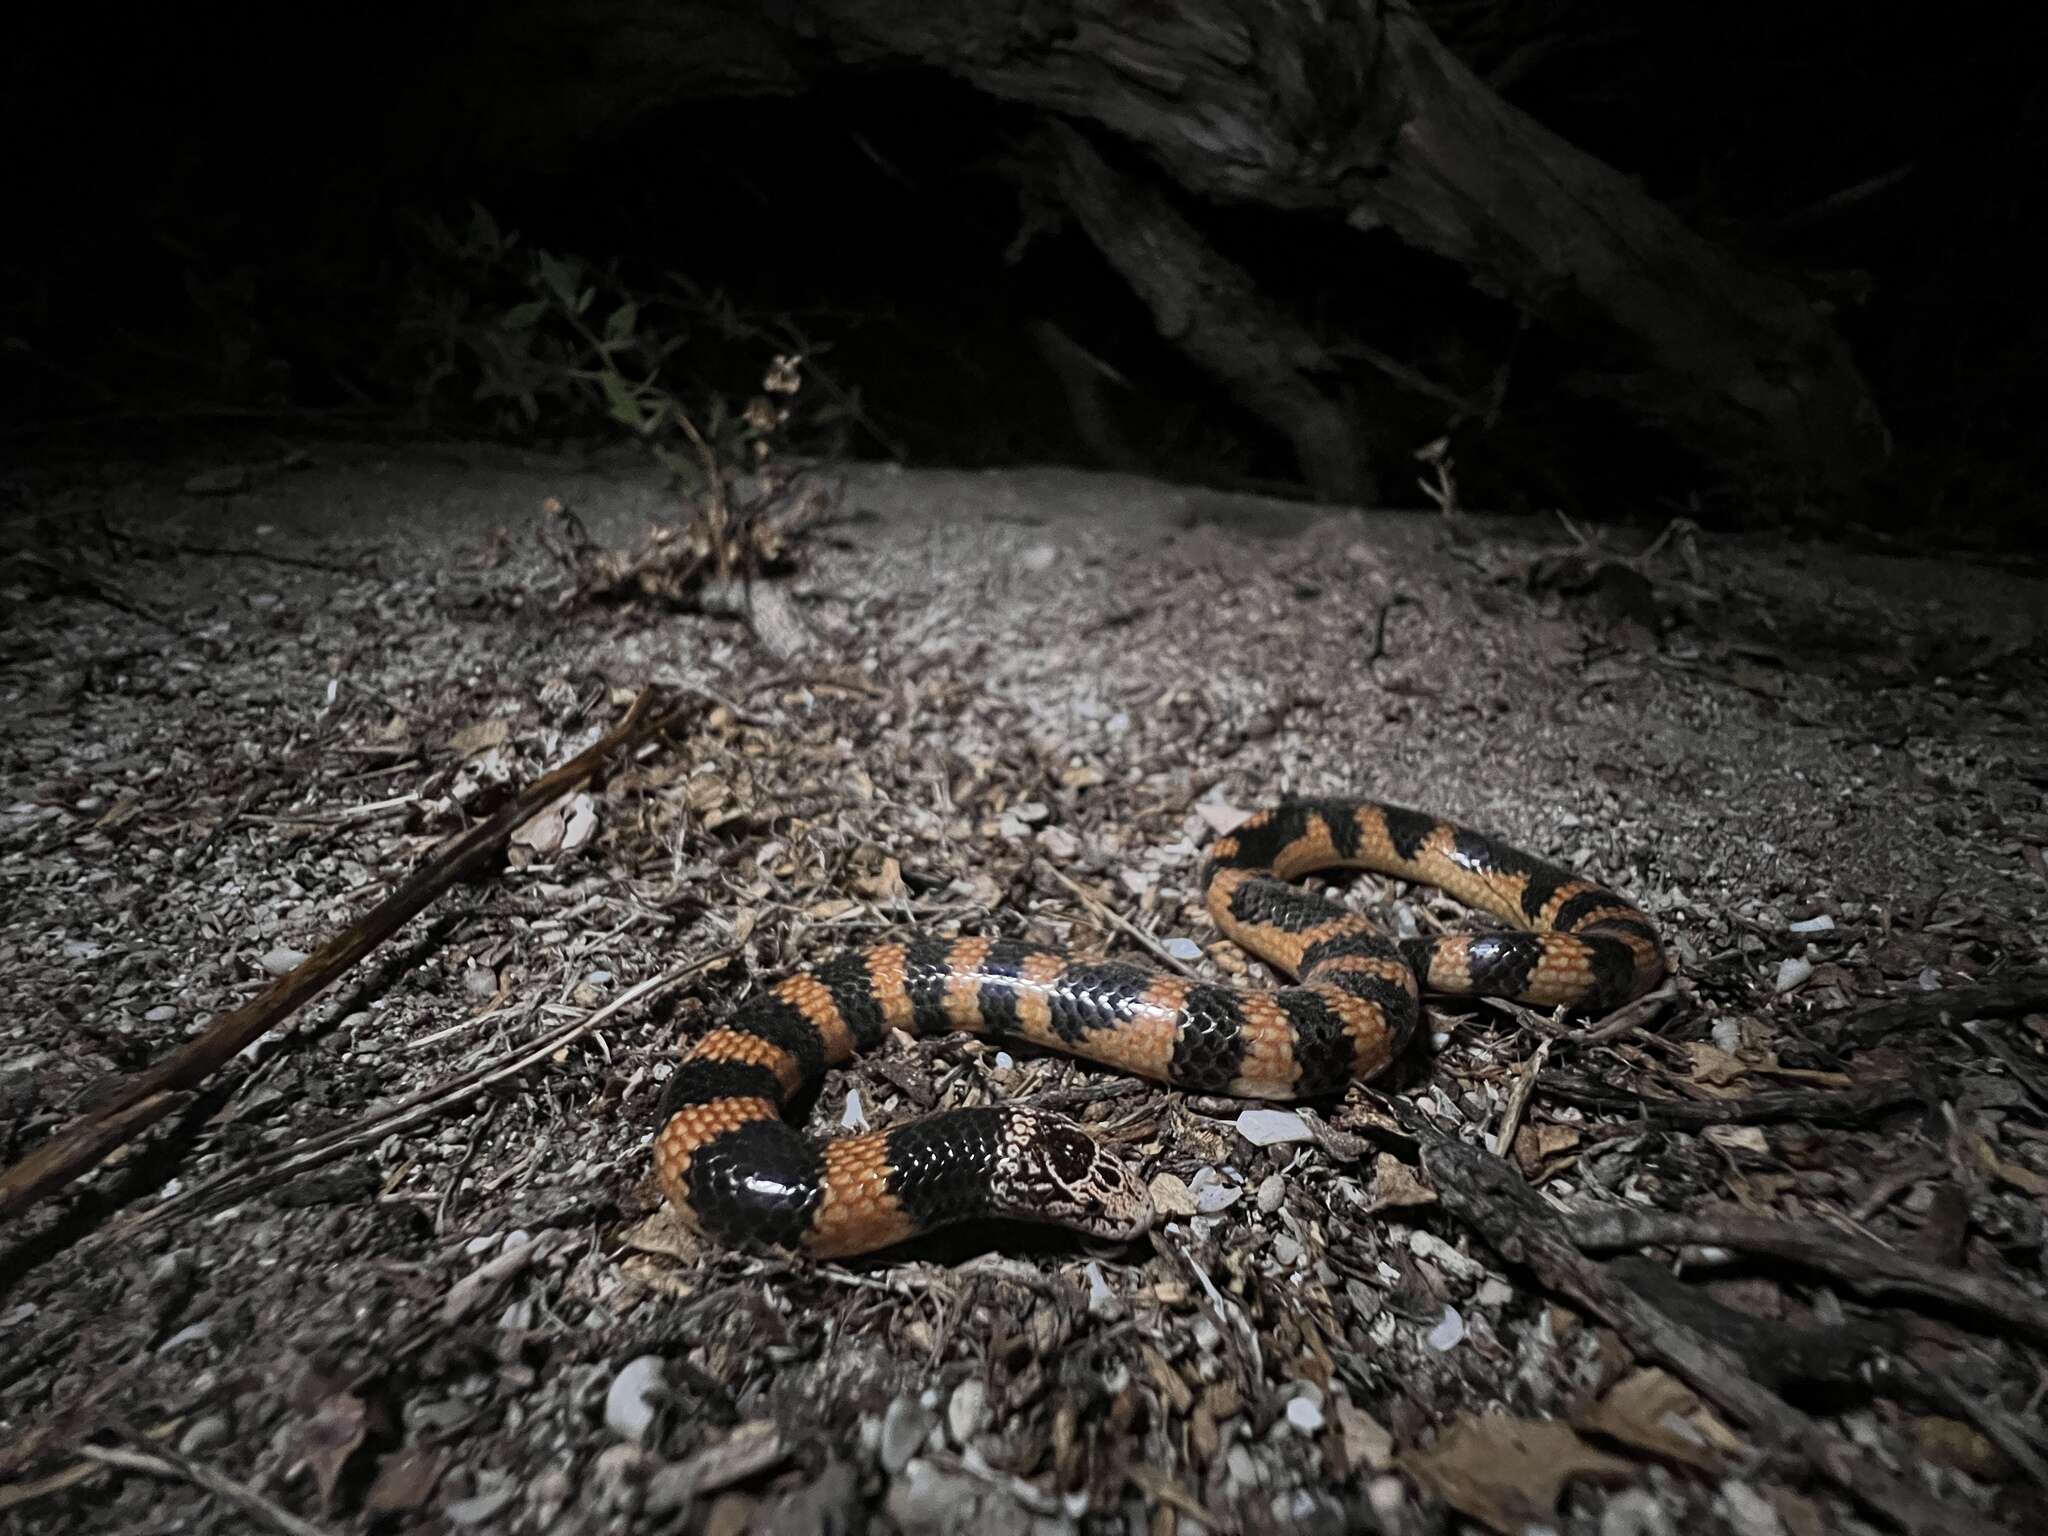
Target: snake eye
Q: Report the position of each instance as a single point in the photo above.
(1070, 1156)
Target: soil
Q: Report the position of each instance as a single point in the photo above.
(243, 701)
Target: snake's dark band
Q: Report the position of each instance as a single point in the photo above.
(735, 1170)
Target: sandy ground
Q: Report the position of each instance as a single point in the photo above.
(235, 720)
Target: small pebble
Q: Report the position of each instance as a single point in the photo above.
(1243, 1470)
(479, 1507)
(1273, 1127)
(1058, 842)
(1272, 1193)
(1286, 1251)
(206, 1432)
(967, 1410)
(854, 1118)
(1820, 924)
(1171, 1196)
(1388, 1497)
(1495, 1292)
(1449, 1333)
(160, 1014)
(904, 1427)
(282, 961)
(630, 1402)
(1793, 972)
(1183, 948)
(1213, 1194)
(1305, 1411)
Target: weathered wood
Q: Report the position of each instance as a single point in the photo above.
(1214, 312)
(1356, 113)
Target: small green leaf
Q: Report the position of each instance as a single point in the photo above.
(560, 279)
(619, 329)
(624, 407)
(524, 317)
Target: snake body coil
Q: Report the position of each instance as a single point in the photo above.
(736, 1171)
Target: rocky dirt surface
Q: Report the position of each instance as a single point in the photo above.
(398, 1269)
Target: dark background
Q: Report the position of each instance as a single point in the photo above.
(215, 212)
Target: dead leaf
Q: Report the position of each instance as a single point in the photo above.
(1506, 1473)
(481, 737)
(751, 1448)
(1801, 1515)
(405, 1481)
(1712, 1066)
(330, 1437)
(2021, 1178)
(1739, 1138)
(1222, 819)
(1366, 1442)
(1952, 1443)
(732, 1514)
(885, 884)
(541, 834)
(1395, 1186)
(1171, 1196)
(1539, 1147)
(663, 1233)
(1653, 1411)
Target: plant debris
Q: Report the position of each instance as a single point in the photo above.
(1740, 1258)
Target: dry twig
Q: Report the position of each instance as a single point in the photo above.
(1850, 1107)
(1485, 1193)
(1118, 921)
(318, 1150)
(162, 1461)
(1864, 1266)
(125, 1106)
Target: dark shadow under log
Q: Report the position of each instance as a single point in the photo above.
(1352, 113)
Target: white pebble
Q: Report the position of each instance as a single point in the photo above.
(1222, 818)
(854, 1117)
(904, 1426)
(630, 1403)
(282, 960)
(1449, 1333)
(1793, 972)
(1305, 1414)
(1727, 1036)
(1183, 948)
(1058, 842)
(1273, 1127)
(967, 1410)
(478, 1508)
(1820, 924)
(1272, 1191)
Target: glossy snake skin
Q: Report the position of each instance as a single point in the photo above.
(736, 1171)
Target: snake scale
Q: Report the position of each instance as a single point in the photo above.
(737, 1172)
